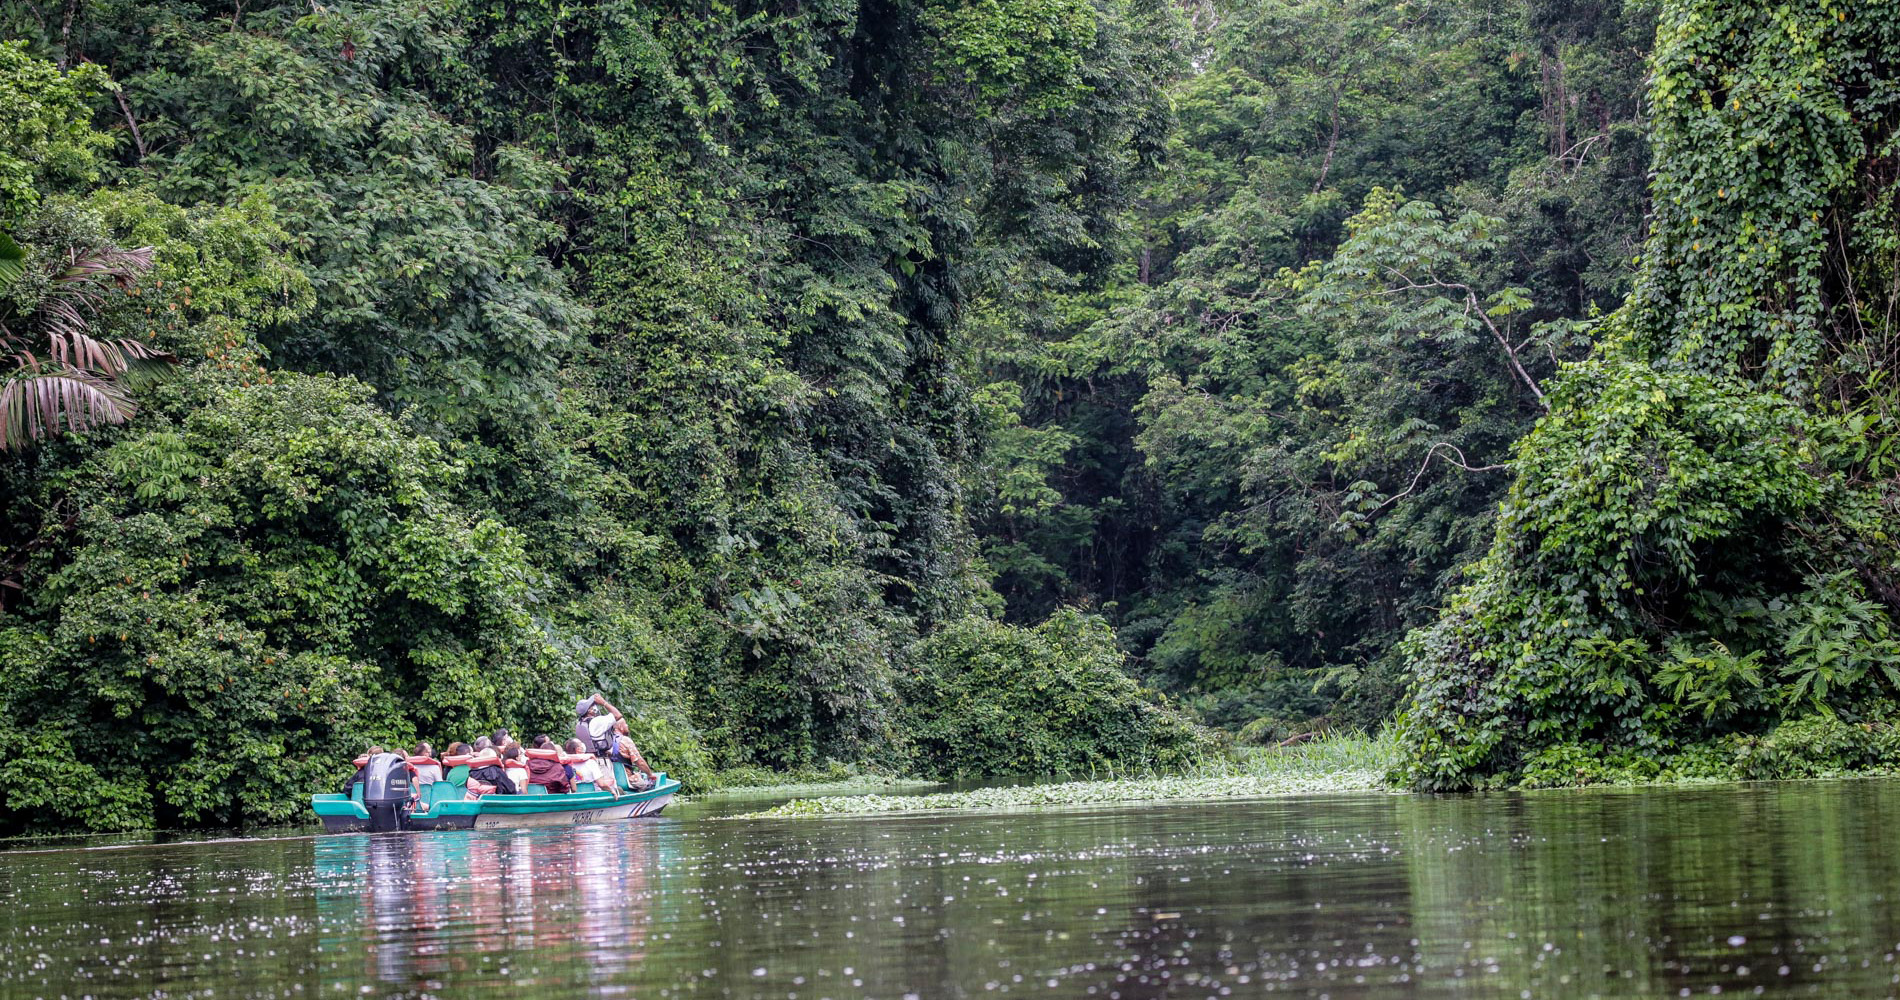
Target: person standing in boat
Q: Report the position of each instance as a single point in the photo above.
(595, 725)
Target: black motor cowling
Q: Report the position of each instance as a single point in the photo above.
(387, 785)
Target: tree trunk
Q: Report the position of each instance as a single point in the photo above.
(1332, 146)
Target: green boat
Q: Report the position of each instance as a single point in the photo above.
(385, 801)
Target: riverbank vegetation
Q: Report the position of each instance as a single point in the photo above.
(1694, 566)
(1067, 386)
(1339, 762)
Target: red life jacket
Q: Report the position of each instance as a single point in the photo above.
(549, 772)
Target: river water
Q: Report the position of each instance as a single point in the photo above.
(1777, 890)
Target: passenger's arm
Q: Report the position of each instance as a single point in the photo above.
(641, 761)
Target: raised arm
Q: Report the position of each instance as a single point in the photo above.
(602, 702)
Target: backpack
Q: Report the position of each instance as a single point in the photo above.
(600, 746)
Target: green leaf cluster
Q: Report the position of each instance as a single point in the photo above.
(1694, 554)
(982, 697)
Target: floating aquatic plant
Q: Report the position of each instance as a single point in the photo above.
(1339, 763)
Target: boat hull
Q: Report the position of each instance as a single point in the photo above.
(605, 813)
(341, 815)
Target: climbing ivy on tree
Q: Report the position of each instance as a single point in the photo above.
(1695, 550)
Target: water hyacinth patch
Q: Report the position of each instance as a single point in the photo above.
(1343, 763)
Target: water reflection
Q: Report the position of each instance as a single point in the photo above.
(1777, 891)
(1765, 889)
(531, 906)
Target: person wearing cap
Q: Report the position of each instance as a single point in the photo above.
(593, 729)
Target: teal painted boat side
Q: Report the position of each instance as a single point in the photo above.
(338, 806)
(524, 805)
(341, 815)
(452, 807)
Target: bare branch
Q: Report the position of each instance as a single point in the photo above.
(138, 141)
(1471, 308)
(1471, 302)
(1419, 476)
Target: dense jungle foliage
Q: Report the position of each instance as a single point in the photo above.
(1694, 571)
(953, 388)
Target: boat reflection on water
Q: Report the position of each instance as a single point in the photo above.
(546, 906)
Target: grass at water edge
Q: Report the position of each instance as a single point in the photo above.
(1337, 763)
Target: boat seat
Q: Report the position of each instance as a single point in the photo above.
(536, 790)
(620, 776)
(452, 788)
(356, 791)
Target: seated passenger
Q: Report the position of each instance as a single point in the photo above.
(516, 765)
(458, 755)
(422, 761)
(360, 762)
(627, 753)
(486, 775)
(545, 767)
(591, 774)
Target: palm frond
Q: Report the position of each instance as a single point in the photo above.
(76, 349)
(39, 397)
(82, 381)
(81, 286)
(12, 261)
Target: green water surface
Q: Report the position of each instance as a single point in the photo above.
(1776, 890)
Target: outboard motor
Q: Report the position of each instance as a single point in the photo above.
(386, 789)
